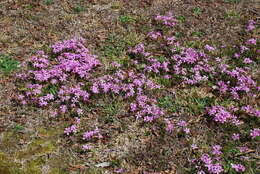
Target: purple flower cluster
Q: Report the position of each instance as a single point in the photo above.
(86, 147)
(255, 133)
(146, 108)
(182, 125)
(90, 134)
(139, 49)
(170, 59)
(48, 80)
(70, 130)
(216, 150)
(169, 126)
(72, 58)
(251, 25)
(154, 35)
(222, 86)
(212, 164)
(247, 61)
(221, 115)
(191, 65)
(237, 81)
(251, 41)
(73, 128)
(73, 95)
(194, 146)
(243, 149)
(208, 163)
(130, 85)
(235, 137)
(127, 83)
(119, 170)
(215, 168)
(64, 80)
(250, 110)
(238, 167)
(209, 48)
(168, 19)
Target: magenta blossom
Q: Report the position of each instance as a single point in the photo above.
(235, 137)
(238, 167)
(250, 25)
(209, 48)
(215, 168)
(251, 41)
(86, 147)
(206, 159)
(216, 150)
(255, 133)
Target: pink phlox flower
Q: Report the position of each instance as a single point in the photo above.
(77, 119)
(90, 134)
(238, 167)
(215, 168)
(186, 130)
(115, 64)
(250, 110)
(235, 137)
(243, 149)
(86, 147)
(223, 87)
(247, 61)
(70, 130)
(206, 159)
(250, 25)
(169, 126)
(243, 49)
(63, 108)
(216, 150)
(209, 48)
(79, 111)
(255, 133)
(154, 35)
(53, 113)
(120, 170)
(182, 123)
(167, 19)
(237, 55)
(251, 41)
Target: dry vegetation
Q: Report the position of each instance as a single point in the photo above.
(31, 142)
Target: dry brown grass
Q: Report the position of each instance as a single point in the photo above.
(28, 25)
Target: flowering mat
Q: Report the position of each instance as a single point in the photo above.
(137, 87)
